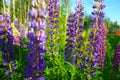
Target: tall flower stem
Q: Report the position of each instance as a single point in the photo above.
(103, 47)
(6, 40)
(95, 46)
(13, 3)
(75, 39)
(116, 60)
(70, 50)
(11, 71)
(53, 10)
(37, 44)
(79, 37)
(3, 5)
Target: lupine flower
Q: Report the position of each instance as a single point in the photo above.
(70, 53)
(19, 33)
(16, 40)
(16, 37)
(53, 10)
(73, 50)
(22, 34)
(102, 33)
(22, 31)
(16, 24)
(6, 40)
(37, 41)
(79, 24)
(116, 60)
(96, 44)
(103, 47)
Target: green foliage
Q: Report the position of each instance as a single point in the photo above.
(112, 27)
(20, 56)
(57, 68)
(108, 73)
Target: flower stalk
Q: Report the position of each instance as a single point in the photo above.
(96, 39)
(53, 11)
(37, 40)
(6, 40)
(116, 60)
(75, 39)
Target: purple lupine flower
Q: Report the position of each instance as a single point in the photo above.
(103, 47)
(16, 40)
(16, 24)
(6, 40)
(79, 24)
(19, 35)
(37, 42)
(116, 60)
(53, 11)
(95, 46)
(102, 33)
(22, 34)
(73, 51)
(70, 53)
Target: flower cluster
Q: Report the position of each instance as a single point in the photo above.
(96, 41)
(15, 27)
(103, 47)
(37, 41)
(70, 53)
(6, 41)
(19, 35)
(53, 10)
(22, 34)
(79, 24)
(19, 32)
(16, 23)
(101, 31)
(73, 49)
(116, 60)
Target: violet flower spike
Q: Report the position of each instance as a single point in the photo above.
(73, 51)
(16, 24)
(103, 48)
(37, 44)
(6, 40)
(79, 24)
(53, 11)
(70, 53)
(116, 60)
(96, 42)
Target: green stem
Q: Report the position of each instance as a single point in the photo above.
(13, 2)
(20, 12)
(20, 56)
(11, 71)
(67, 11)
(24, 13)
(9, 6)
(3, 5)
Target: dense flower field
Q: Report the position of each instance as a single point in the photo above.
(44, 40)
